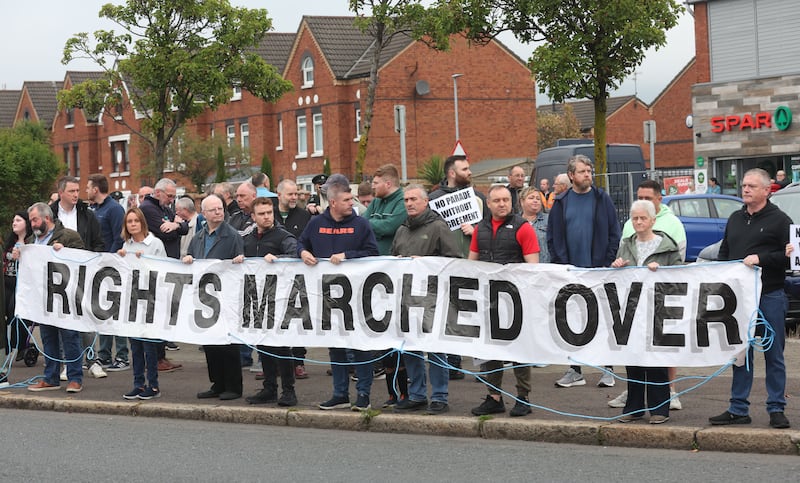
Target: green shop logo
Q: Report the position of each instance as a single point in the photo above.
(782, 118)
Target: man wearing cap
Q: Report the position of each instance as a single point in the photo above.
(339, 234)
(314, 201)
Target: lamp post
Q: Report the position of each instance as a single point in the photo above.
(455, 100)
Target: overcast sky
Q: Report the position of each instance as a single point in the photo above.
(33, 37)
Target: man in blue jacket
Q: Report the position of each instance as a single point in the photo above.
(583, 230)
(339, 234)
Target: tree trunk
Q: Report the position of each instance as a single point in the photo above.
(600, 162)
(372, 87)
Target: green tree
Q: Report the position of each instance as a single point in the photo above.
(197, 158)
(175, 59)
(552, 126)
(383, 20)
(28, 168)
(589, 46)
(266, 167)
(222, 173)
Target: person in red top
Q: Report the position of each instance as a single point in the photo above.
(504, 238)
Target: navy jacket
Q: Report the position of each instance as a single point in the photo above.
(607, 232)
(228, 245)
(324, 236)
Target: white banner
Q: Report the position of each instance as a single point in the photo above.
(697, 315)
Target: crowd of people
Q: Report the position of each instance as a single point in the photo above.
(575, 223)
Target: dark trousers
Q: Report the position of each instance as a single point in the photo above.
(656, 393)
(224, 368)
(299, 354)
(273, 367)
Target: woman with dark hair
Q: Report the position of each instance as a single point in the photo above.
(20, 230)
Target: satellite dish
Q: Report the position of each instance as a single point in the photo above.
(423, 88)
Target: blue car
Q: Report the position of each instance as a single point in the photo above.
(704, 216)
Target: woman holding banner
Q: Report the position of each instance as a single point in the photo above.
(652, 249)
(139, 241)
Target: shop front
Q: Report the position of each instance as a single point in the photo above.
(742, 125)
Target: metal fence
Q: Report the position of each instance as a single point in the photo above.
(622, 186)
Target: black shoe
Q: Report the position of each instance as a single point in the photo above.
(263, 396)
(210, 394)
(454, 375)
(521, 408)
(288, 398)
(229, 396)
(171, 346)
(437, 407)
(490, 406)
(407, 405)
(729, 418)
(778, 420)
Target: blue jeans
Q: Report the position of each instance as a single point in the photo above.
(247, 355)
(52, 337)
(439, 374)
(144, 354)
(341, 379)
(106, 345)
(773, 306)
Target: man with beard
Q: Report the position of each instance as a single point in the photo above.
(583, 230)
(49, 231)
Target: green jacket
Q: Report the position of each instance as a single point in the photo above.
(385, 216)
(666, 254)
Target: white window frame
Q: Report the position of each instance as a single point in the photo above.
(279, 147)
(307, 70)
(244, 130)
(230, 131)
(302, 137)
(316, 121)
(237, 93)
(358, 125)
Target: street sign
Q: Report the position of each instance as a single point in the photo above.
(458, 150)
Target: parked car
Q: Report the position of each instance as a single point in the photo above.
(704, 216)
(788, 200)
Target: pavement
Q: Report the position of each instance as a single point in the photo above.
(577, 415)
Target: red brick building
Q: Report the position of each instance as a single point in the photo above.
(327, 62)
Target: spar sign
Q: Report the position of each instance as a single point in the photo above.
(781, 119)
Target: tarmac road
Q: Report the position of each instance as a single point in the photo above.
(573, 415)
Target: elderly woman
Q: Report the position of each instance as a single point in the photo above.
(531, 203)
(652, 249)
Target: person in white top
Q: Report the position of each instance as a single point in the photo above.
(139, 241)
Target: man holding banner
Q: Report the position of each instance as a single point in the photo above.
(47, 231)
(220, 241)
(459, 177)
(339, 234)
(504, 238)
(757, 234)
(424, 233)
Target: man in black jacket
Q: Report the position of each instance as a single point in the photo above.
(757, 234)
(271, 242)
(219, 240)
(504, 238)
(75, 215)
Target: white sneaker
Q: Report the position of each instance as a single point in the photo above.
(571, 378)
(63, 375)
(256, 367)
(96, 370)
(607, 379)
(619, 401)
(675, 403)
